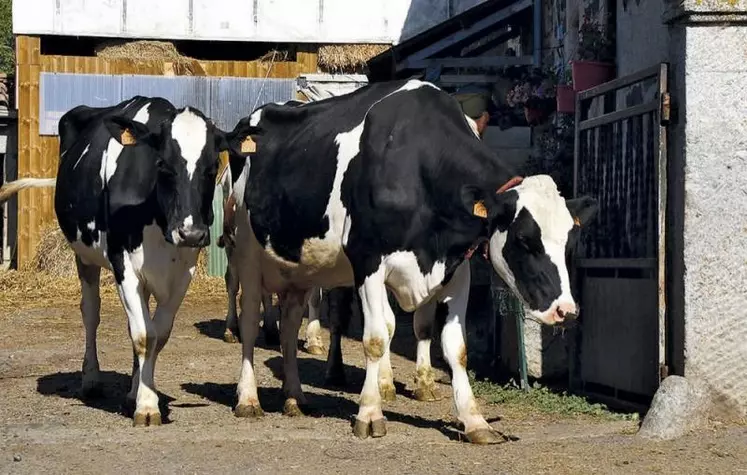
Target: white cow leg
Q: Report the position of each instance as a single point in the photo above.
(314, 344)
(386, 375)
(143, 335)
(370, 419)
(453, 341)
(251, 297)
(231, 333)
(425, 376)
(292, 305)
(90, 309)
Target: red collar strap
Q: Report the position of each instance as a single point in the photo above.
(513, 182)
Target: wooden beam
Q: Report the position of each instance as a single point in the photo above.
(475, 62)
(466, 33)
(454, 79)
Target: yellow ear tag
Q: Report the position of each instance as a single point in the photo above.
(480, 210)
(576, 221)
(127, 138)
(248, 146)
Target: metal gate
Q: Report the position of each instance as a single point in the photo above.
(620, 159)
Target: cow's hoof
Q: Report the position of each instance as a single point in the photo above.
(335, 379)
(428, 394)
(375, 429)
(248, 411)
(485, 437)
(230, 337)
(291, 408)
(145, 419)
(91, 390)
(315, 350)
(388, 392)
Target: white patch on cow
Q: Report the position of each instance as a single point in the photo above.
(91, 225)
(255, 118)
(410, 286)
(188, 222)
(143, 114)
(85, 151)
(190, 132)
(472, 125)
(240, 185)
(95, 254)
(348, 144)
(413, 84)
(540, 196)
(109, 160)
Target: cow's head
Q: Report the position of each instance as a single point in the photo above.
(533, 233)
(183, 174)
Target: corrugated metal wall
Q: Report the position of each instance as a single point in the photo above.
(225, 100)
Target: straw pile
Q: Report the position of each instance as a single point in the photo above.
(145, 51)
(349, 58)
(51, 277)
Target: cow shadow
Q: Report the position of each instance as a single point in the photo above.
(215, 327)
(111, 398)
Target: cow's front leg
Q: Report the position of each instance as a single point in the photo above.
(313, 343)
(425, 376)
(292, 304)
(453, 340)
(271, 320)
(373, 300)
(143, 335)
(251, 297)
(231, 333)
(90, 309)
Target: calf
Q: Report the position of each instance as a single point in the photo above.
(134, 195)
(388, 188)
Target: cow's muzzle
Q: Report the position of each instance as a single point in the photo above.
(192, 237)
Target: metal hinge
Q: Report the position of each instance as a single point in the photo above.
(665, 108)
(663, 371)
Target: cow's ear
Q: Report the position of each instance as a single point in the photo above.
(583, 210)
(496, 208)
(239, 141)
(127, 131)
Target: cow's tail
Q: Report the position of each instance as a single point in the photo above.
(12, 187)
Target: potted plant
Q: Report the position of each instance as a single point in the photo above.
(565, 96)
(536, 95)
(595, 63)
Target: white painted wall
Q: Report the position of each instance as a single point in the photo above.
(297, 21)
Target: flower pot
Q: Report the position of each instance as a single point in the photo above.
(587, 74)
(566, 98)
(533, 116)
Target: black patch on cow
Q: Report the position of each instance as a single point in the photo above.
(439, 317)
(537, 277)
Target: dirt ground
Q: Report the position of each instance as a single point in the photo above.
(45, 428)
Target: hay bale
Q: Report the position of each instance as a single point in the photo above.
(144, 51)
(53, 253)
(351, 58)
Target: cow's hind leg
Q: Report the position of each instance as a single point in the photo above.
(292, 304)
(453, 304)
(231, 333)
(386, 375)
(425, 376)
(314, 344)
(339, 301)
(373, 300)
(90, 309)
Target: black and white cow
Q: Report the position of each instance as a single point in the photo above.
(134, 195)
(388, 187)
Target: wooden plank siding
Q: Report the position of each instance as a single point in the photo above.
(38, 155)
